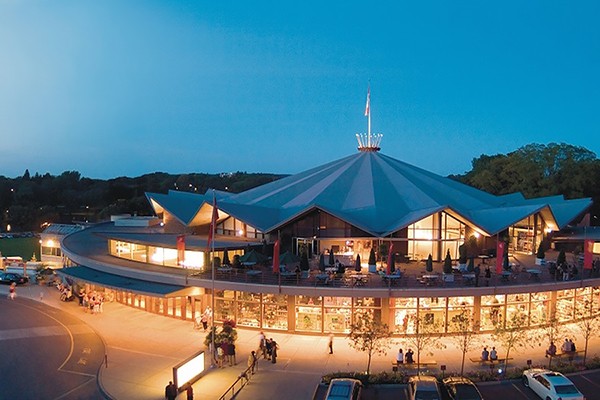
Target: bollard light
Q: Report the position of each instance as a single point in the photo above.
(529, 363)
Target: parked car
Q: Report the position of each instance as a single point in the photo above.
(10, 277)
(344, 389)
(423, 387)
(550, 385)
(461, 388)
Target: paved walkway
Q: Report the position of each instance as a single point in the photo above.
(142, 349)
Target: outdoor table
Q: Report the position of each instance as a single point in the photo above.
(359, 279)
(321, 278)
(469, 278)
(534, 273)
(430, 279)
(331, 269)
(391, 278)
(253, 273)
(483, 258)
(225, 270)
(505, 275)
(286, 274)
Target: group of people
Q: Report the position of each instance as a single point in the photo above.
(268, 348)
(91, 300)
(226, 354)
(402, 358)
(568, 346)
(491, 355)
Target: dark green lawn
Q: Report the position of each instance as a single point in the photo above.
(24, 247)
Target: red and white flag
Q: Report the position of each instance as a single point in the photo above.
(213, 223)
(588, 250)
(181, 250)
(276, 257)
(368, 106)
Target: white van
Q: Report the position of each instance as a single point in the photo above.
(344, 389)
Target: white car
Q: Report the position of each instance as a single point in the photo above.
(550, 385)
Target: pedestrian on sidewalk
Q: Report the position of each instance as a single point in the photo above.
(253, 362)
(189, 392)
(330, 344)
(12, 291)
(170, 391)
(274, 348)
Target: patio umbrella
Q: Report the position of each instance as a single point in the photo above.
(331, 258)
(252, 257)
(322, 262)
(391, 264)
(226, 258)
(505, 264)
(357, 266)
(288, 258)
(471, 265)
(429, 264)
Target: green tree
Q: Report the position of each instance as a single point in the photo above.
(464, 338)
(369, 335)
(427, 337)
(587, 323)
(512, 335)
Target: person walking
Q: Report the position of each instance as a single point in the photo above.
(274, 348)
(330, 344)
(170, 391)
(477, 272)
(253, 362)
(189, 392)
(12, 291)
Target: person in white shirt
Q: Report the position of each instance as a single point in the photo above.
(400, 357)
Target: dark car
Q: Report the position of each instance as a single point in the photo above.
(461, 388)
(10, 277)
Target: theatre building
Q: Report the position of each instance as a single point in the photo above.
(346, 208)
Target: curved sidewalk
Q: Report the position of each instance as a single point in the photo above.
(142, 349)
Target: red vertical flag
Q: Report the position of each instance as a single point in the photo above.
(276, 257)
(213, 223)
(588, 249)
(389, 260)
(499, 255)
(180, 250)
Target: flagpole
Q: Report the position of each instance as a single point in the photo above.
(212, 268)
(369, 117)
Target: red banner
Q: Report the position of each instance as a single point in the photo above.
(180, 250)
(588, 249)
(499, 255)
(389, 260)
(276, 257)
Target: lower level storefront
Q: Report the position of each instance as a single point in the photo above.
(334, 314)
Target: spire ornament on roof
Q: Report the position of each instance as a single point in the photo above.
(368, 141)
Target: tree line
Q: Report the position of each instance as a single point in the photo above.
(27, 202)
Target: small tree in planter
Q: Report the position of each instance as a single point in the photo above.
(372, 261)
(369, 335)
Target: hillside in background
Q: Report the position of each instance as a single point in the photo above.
(28, 202)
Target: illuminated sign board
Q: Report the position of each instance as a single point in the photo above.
(189, 370)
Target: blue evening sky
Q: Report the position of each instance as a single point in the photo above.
(124, 88)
